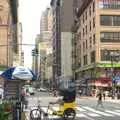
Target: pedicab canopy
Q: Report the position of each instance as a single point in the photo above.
(20, 72)
(67, 89)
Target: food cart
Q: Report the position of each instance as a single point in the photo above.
(14, 79)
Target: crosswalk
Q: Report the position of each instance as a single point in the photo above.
(87, 112)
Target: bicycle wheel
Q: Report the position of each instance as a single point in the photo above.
(35, 114)
(69, 114)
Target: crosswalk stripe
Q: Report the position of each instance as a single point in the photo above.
(112, 112)
(93, 115)
(80, 115)
(80, 109)
(117, 110)
(98, 112)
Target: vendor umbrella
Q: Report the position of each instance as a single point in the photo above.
(20, 72)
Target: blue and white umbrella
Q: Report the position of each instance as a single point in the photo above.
(19, 72)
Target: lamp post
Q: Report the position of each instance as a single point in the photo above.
(113, 56)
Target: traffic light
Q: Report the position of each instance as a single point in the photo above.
(33, 52)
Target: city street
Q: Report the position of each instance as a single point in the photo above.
(86, 107)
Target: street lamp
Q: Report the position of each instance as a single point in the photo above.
(113, 56)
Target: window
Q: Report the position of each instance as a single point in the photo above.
(83, 47)
(79, 35)
(105, 20)
(110, 36)
(83, 18)
(83, 32)
(86, 44)
(90, 25)
(86, 15)
(107, 55)
(110, 20)
(86, 29)
(93, 22)
(90, 11)
(116, 20)
(93, 6)
(90, 42)
(109, 4)
(94, 39)
(92, 55)
(85, 59)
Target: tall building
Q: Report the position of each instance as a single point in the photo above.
(46, 25)
(97, 40)
(44, 47)
(8, 31)
(62, 35)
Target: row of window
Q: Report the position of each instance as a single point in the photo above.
(109, 36)
(86, 13)
(85, 30)
(92, 58)
(110, 20)
(91, 41)
(109, 55)
(109, 4)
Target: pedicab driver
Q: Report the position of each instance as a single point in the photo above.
(67, 92)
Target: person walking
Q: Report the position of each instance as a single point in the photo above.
(104, 95)
(99, 102)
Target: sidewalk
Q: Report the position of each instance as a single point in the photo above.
(108, 99)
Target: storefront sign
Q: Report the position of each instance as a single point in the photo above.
(103, 82)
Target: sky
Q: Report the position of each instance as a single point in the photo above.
(29, 15)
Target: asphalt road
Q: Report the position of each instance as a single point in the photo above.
(86, 108)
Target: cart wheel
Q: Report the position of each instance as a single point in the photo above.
(35, 114)
(69, 114)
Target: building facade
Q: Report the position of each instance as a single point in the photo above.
(62, 35)
(8, 31)
(46, 25)
(97, 40)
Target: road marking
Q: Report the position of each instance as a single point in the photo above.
(98, 112)
(112, 112)
(80, 109)
(93, 115)
(117, 110)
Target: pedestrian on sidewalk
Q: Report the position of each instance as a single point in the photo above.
(99, 102)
